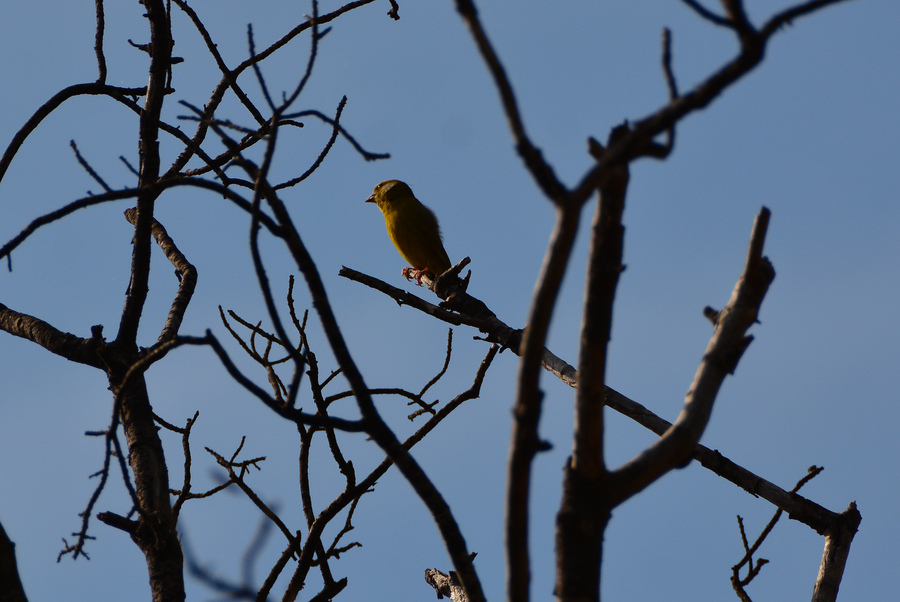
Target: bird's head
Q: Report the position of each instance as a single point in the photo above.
(389, 192)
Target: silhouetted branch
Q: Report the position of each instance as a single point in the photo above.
(91, 89)
(90, 170)
(184, 271)
(98, 41)
(218, 93)
(233, 590)
(185, 493)
(368, 156)
(334, 134)
(77, 549)
(228, 76)
(534, 161)
(63, 344)
(9, 571)
(310, 59)
(238, 479)
(749, 550)
(469, 311)
(838, 537)
(727, 345)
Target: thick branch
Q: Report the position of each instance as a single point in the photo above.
(186, 273)
(583, 515)
(12, 590)
(797, 507)
(63, 344)
(721, 358)
(603, 269)
(156, 533)
(837, 547)
(524, 440)
(160, 50)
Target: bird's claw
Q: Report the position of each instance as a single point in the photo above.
(414, 274)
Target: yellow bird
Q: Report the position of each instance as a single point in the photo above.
(413, 229)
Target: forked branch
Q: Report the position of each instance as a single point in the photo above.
(728, 343)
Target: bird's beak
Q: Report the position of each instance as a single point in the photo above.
(371, 198)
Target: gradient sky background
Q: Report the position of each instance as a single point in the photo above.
(812, 134)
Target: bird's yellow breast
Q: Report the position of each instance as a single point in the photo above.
(412, 227)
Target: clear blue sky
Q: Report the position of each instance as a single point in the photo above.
(812, 134)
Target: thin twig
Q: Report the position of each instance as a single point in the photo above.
(98, 42)
(334, 134)
(531, 155)
(708, 14)
(368, 156)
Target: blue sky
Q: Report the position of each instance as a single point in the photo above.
(811, 134)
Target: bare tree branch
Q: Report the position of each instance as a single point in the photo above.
(534, 161)
(228, 76)
(583, 512)
(91, 89)
(9, 571)
(708, 14)
(728, 343)
(98, 42)
(838, 538)
(186, 273)
(63, 344)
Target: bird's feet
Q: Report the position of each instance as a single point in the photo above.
(414, 274)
